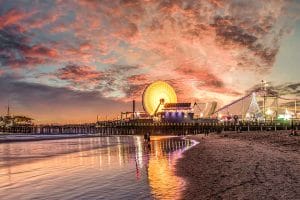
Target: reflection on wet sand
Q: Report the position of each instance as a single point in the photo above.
(161, 168)
(94, 168)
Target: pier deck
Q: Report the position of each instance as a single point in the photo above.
(106, 128)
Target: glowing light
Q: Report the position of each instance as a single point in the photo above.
(269, 111)
(286, 116)
(154, 93)
(220, 115)
(248, 115)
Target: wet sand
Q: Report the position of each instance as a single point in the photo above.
(7, 138)
(248, 165)
(117, 167)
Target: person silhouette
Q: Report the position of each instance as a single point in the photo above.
(148, 137)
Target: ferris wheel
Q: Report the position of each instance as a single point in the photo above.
(156, 95)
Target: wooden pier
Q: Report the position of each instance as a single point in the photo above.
(107, 128)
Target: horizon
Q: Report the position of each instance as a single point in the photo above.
(69, 61)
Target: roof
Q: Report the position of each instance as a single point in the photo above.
(177, 105)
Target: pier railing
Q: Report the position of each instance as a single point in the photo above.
(106, 128)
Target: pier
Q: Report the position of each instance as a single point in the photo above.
(107, 128)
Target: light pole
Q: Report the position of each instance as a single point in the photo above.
(264, 89)
(296, 108)
(293, 131)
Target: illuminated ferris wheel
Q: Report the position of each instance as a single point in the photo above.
(157, 94)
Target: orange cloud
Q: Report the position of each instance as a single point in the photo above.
(13, 16)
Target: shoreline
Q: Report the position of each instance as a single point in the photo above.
(247, 165)
(11, 138)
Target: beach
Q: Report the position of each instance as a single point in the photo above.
(247, 165)
(7, 138)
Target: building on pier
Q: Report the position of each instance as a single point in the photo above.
(17, 120)
(176, 112)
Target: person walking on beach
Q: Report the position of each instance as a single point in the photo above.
(206, 132)
(148, 137)
(149, 144)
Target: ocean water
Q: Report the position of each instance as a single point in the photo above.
(121, 167)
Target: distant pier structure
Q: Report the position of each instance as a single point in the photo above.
(136, 127)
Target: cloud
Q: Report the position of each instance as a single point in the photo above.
(289, 90)
(11, 17)
(118, 83)
(16, 49)
(84, 77)
(45, 103)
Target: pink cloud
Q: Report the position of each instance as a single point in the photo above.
(109, 61)
(13, 16)
(39, 50)
(195, 45)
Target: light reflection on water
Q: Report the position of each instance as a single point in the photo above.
(92, 168)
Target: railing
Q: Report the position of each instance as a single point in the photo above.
(128, 128)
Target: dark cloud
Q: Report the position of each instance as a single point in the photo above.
(286, 90)
(80, 76)
(136, 86)
(16, 49)
(119, 81)
(230, 32)
(294, 86)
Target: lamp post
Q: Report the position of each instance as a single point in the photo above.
(296, 108)
(293, 131)
(264, 89)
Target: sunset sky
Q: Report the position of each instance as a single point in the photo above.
(69, 61)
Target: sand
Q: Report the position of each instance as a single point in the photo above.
(7, 138)
(248, 165)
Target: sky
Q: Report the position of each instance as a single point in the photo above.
(67, 61)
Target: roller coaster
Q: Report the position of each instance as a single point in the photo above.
(260, 104)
